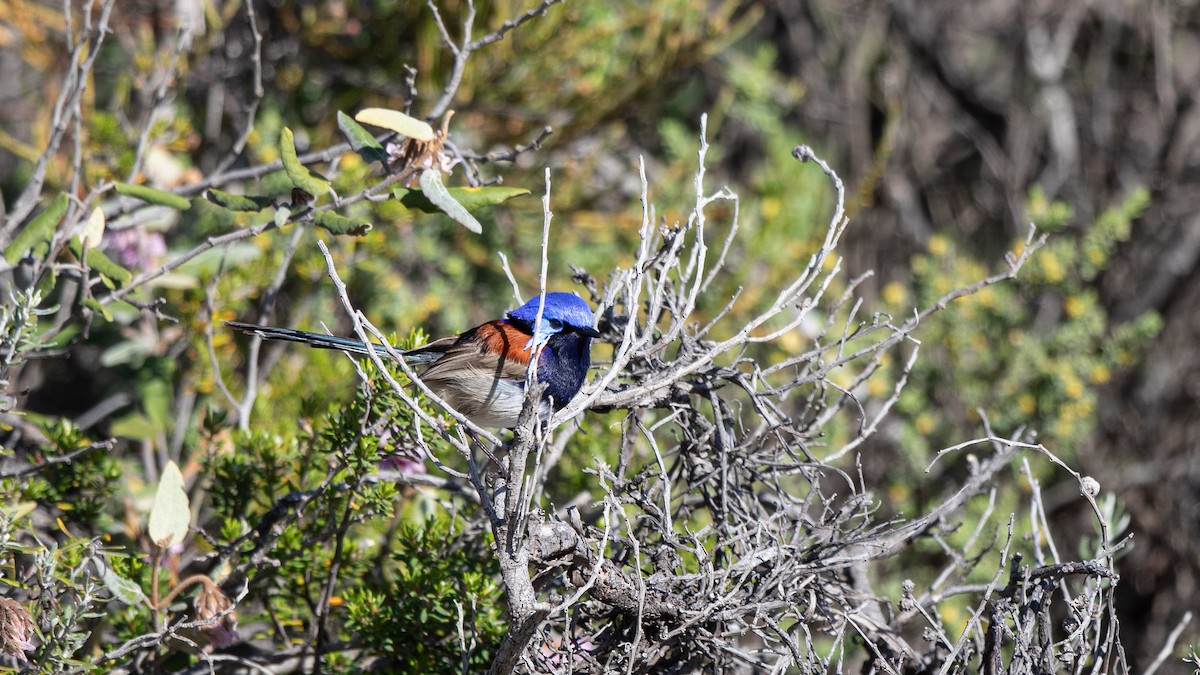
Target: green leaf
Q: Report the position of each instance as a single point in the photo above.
(436, 192)
(134, 426)
(340, 224)
(237, 202)
(360, 139)
(123, 589)
(17, 510)
(394, 120)
(472, 198)
(209, 262)
(94, 305)
(152, 195)
(156, 396)
(301, 176)
(101, 263)
(281, 216)
(175, 282)
(38, 230)
(170, 515)
(127, 351)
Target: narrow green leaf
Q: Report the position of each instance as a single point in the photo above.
(152, 195)
(301, 176)
(394, 120)
(360, 139)
(17, 510)
(340, 224)
(101, 263)
(237, 202)
(472, 198)
(170, 515)
(435, 191)
(39, 230)
(94, 305)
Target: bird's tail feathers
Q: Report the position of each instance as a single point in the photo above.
(304, 337)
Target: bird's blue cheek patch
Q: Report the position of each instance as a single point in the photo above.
(545, 330)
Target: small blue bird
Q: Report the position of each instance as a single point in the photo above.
(481, 373)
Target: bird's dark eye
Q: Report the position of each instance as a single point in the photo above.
(555, 324)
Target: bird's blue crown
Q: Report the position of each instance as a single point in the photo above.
(568, 308)
(562, 310)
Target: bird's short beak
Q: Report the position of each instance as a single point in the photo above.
(589, 331)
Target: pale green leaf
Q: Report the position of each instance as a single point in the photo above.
(170, 515)
(435, 191)
(394, 120)
(472, 198)
(175, 282)
(93, 229)
(126, 351)
(124, 590)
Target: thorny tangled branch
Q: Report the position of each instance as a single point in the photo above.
(730, 535)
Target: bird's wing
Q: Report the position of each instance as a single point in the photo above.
(495, 349)
(481, 373)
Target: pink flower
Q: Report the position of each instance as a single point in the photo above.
(136, 248)
(404, 460)
(213, 606)
(16, 628)
(401, 462)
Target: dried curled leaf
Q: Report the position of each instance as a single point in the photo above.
(237, 202)
(336, 224)
(153, 196)
(394, 120)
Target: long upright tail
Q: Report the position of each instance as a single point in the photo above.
(311, 339)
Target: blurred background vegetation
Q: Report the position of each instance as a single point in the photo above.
(953, 128)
